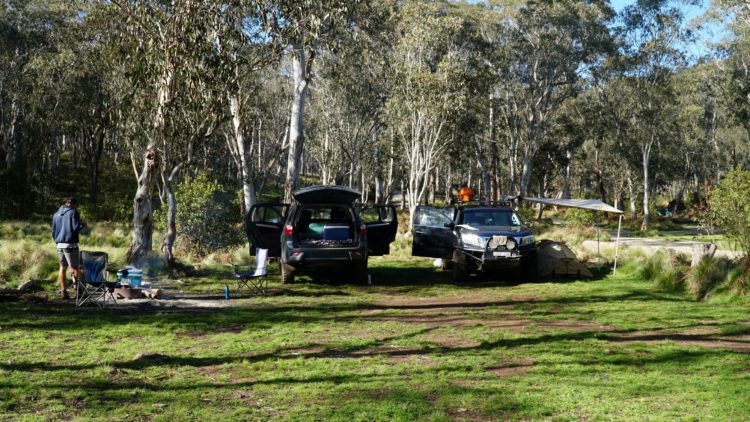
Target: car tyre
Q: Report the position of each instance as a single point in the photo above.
(287, 273)
(529, 268)
(446, 264)
(460, 269)
(360, 273)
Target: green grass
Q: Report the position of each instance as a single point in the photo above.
(413, 346)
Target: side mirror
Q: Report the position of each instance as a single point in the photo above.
(448, 225)
(528, 223)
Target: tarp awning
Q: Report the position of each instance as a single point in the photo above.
(589, 204)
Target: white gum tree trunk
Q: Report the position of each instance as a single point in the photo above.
(141, 242)
(296, 120)
(238, 129)
(646, 152)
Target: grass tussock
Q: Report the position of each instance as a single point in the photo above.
(665, 270)
(671, 272)
(707, 275)
(22, 260)
(718, 276)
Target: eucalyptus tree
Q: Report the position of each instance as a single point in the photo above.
(247, 42)
(305, 27)
(734, 15)
(38, 65)
(434, 65)
(348, 99)
(168, 55)
(257, 135)
(651, 56)
(547, 46)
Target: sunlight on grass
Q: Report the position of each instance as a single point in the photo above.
(412, 346)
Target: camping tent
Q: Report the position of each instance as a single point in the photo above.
(556, 259)
(589, 204)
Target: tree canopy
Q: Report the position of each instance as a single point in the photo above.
(399, 99)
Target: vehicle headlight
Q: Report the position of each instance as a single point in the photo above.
(510, 244)
(472, 240)
(527, 240)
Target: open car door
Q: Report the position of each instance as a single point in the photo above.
(382, 225)
(431, 237)
(263, 225)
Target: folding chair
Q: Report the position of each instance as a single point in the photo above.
(92, 286)
(253, 278)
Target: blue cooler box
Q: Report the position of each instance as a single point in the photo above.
(131, 277)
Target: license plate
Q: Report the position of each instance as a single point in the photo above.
(501, 254)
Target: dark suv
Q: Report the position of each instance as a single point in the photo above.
(323, 233)
(481, 237)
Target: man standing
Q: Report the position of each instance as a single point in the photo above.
(66, 223)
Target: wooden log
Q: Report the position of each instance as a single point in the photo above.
(27, 285)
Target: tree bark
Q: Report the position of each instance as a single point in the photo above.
(141, 242)
(14, 145)
(646, 151)
(566, 179)
(248, 187)
(296, 120)
(143, 219)
(171, 236)
(495, 154)
(379, 182)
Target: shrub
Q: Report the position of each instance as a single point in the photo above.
(737, 279)
(730, 207)
(707, 275)
(579, 217)
(665, 270)
(572, 235)
(208, 217)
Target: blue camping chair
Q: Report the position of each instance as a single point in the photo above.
(92, 286)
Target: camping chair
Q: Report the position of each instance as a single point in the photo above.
(92, 285)
(253, 278)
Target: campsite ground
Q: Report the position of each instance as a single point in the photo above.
(414, 346)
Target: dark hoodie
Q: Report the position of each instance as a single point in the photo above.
(66, 223)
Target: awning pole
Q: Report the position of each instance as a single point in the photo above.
(617, 244)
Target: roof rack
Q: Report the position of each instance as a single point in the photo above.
(482, 203)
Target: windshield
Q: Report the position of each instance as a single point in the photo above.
(478, 218)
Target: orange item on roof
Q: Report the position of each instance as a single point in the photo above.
(466, 194)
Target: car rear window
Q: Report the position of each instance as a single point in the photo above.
(325, 225)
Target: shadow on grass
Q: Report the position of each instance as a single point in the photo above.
(378, 347)
(63, 317)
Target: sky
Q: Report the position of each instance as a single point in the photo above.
(705, 36)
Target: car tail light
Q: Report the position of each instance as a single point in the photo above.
(288, 230)
(362, 230)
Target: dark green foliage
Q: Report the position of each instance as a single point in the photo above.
(730, 207)
(207, 216)
(579, 217)
(707, 275)
(17, 199)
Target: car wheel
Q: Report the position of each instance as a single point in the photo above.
(529, 268)
(287, 273)
(460, 270)
(360, 273)
(446, 264)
